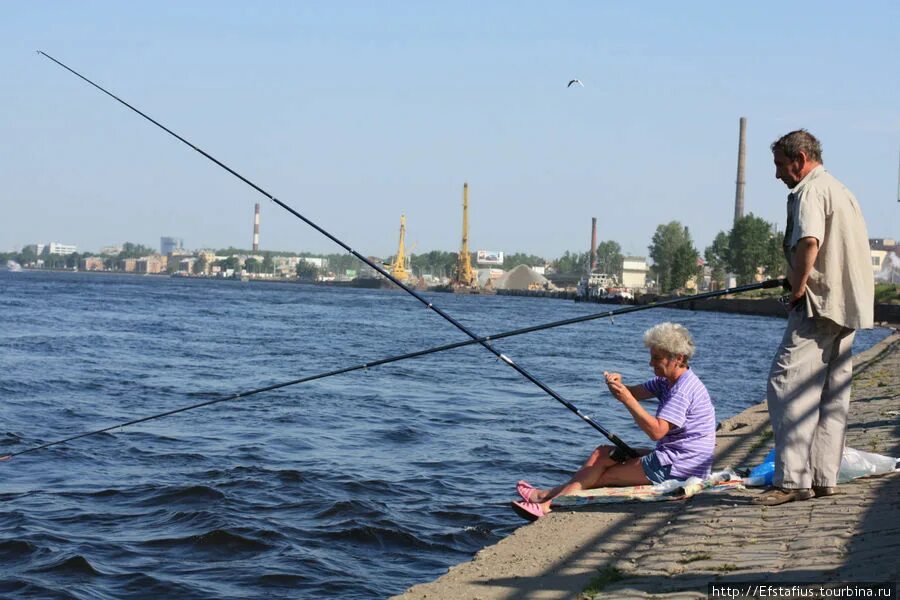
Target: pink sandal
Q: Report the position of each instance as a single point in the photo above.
(524, 488)
(531, 511)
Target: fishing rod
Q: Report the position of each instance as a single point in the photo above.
(625, 448)
(383, 361)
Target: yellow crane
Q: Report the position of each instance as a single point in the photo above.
(465, 275)
(400, 268)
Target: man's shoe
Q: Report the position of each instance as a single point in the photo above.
(775, 496)
(820, 491)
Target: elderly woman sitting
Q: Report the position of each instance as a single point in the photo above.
(684, 427)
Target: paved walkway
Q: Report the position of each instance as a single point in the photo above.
(674, 549)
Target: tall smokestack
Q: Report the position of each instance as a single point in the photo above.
(593, 260)
(256, 229)
(742, 157)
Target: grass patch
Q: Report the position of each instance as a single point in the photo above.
(887, 293)
(726, 568)
(696, 557)
(606, 576)
(764, 438)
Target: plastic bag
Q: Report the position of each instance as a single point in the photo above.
(762, 474)
(854, 463)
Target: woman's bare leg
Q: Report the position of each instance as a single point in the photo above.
(592, 469)
(630, 472)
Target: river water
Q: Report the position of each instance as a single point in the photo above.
(358, 485)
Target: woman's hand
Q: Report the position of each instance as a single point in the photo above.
(618, 389)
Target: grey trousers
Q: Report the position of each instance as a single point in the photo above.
(809, 396)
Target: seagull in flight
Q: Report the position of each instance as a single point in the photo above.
(575, 82)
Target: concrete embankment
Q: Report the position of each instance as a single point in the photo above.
(675, 549)
(765, 307)
(772, 307)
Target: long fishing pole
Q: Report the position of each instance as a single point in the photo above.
(625, 448)
(383, 361)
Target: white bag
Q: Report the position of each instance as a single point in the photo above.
(856, 463)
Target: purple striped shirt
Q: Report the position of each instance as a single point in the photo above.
(689, 445)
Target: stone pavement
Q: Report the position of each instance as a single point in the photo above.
(674, 549)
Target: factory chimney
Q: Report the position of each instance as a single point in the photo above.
(742, 157)
(593, 260)
(256, 229)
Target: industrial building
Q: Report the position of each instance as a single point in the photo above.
(634, 273)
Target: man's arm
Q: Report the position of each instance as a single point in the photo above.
(805, 254)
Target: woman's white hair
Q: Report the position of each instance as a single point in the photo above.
(672, 338)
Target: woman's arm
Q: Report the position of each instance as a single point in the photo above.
(653, 427)
(638, 391)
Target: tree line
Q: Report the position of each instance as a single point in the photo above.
(752, 247)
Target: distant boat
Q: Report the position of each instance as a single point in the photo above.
(13, 266)
(370, 282)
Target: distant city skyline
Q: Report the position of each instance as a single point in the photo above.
(354, 114)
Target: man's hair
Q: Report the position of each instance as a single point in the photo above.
(795, 142)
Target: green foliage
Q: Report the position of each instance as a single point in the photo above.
(130, 250)
(752, 243)
(764, 439)
(199, 265)
(774, 263)
(716, 256)
(606, 576)
(232, 262)
(511, 261)
(609, 258)
(307, 271)
(674, 256)
(887, 293)
(340, 263)
(268, 265)
(726, 568)
(60, 261)
(697, 556)
(231, 250)
(572, 262)
(436, 262)
(28, 255)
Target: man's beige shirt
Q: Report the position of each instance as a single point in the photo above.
(841, 286)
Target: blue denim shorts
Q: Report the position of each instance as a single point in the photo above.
(654, 471)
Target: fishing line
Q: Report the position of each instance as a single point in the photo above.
(625, 448)
(383, 361)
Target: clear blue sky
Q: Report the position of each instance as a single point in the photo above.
(357, 112)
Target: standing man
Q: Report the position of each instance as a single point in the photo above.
(832, 295)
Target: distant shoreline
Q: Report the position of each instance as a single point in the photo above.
(886, 315)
